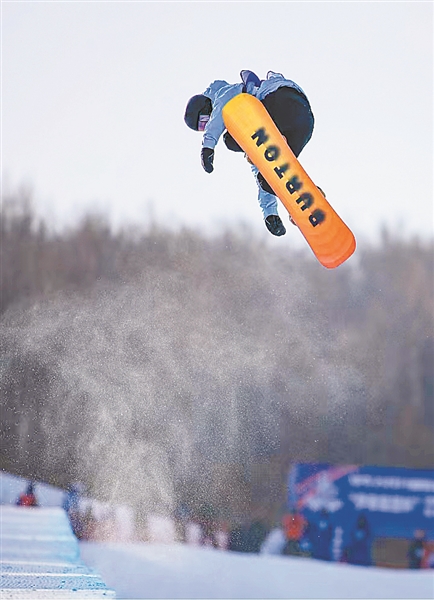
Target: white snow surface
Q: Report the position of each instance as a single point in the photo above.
(145, 570)
(39, 557)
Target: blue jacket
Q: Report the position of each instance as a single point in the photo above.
(220, 92)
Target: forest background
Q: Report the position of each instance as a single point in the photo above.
(159, 367)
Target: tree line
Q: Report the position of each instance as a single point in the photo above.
(159, 366)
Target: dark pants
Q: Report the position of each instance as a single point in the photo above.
(293, 117)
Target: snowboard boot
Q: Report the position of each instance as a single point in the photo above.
(274, 225)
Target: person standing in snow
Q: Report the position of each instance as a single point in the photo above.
(28, 498)
(287, 105)
(321, 536)
(294, 525)
(416, 550)
(359, 550)
(72, 506)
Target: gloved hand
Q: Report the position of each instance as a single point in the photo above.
(207, 158)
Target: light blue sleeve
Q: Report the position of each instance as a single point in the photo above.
(215, 126)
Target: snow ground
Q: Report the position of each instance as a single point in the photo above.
(146, 570)
(39, 557)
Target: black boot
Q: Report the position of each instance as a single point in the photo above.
(274, 225)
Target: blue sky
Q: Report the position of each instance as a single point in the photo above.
(93, 96)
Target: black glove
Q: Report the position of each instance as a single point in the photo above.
(207, 158)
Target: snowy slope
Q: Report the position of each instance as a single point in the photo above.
(39, 557)
(180, 571)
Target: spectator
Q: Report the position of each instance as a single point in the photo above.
(207, 522)
(28, 498)
(255, 536)
(71, 501)
(345, 556)
(182, 518)
(222, 535)
(88, 528)
(237, 538)
(294, 525)
(71, 504)
(416, 550)
(306, 540)
(321, 537)
(359, 550)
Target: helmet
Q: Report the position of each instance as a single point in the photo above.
(198, 105)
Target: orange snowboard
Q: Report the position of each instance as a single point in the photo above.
(251, 126)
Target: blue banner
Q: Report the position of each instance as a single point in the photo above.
(392, 502)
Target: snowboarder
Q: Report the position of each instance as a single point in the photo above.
(289, 108)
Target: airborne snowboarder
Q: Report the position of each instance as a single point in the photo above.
(286, 103)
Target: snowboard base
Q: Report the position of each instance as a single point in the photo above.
(249, 123)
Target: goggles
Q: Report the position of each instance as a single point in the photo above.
(203, 120)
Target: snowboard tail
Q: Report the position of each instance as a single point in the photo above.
(249, 123)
